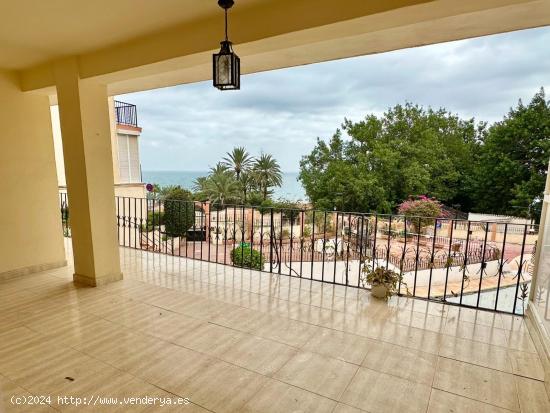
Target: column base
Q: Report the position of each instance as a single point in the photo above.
(96, 281)
(541, 339)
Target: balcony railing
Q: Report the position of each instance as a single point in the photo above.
(126, 113)
(484, 265)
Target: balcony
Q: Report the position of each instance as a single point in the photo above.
(126, 114)
(182, 324)
(476, 264)
(237, 340)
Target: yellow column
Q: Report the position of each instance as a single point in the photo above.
(86, 136)
(31, 238)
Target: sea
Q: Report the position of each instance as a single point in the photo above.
(291, 189)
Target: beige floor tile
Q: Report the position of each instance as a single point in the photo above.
(419, 320)
(240, 318)
(513, 323)
(15, 338)
(210, 338)
(526, 364)
(257, 354)
(123, 390)
(278, 397)
(344, 408)
(78, 335)
(443, 402)
(478, 383)
(411, 337)
(13, 399)
(403, 362)
(475, 352)
(169, 368)
(117, 344)
(30, 357)
(520, 340)
(104, 385)
(65, 373)
(167, 325)
(476, 332)
(378, 392)
(188, 408)
(532, 396)
(320, 374)
(55, 324)
(293, 333)
(479, 317)
(222, 387)
(339, 345)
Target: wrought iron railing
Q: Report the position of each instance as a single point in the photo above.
(483, 265)
(126, 113)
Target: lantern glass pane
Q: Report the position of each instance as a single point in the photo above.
(223, 69)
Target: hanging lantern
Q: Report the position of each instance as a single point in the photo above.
(226, 64)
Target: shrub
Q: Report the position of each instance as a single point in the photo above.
(153, 221)
(245, 257)
(289, 210)
(323, 220)
(179, 212)
(254, 199)
(285, 234)
(421, 210)
(266, 206)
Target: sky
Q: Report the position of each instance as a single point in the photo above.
(282, 112)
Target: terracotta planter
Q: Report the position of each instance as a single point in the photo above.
(379, 291)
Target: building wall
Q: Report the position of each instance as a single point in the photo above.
(123, 187)
(31, 235)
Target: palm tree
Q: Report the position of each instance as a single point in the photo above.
(219, 168)
(221, 186)
(239, 160)
(247, 184)
(267, 173)
(200, 186)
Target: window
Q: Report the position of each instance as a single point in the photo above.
(128, 158)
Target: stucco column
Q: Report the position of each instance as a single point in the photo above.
(31, 238)
(86, 136)
(540, 271)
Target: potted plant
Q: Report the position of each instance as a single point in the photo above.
(383, 281)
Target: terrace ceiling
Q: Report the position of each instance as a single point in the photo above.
(134, 45)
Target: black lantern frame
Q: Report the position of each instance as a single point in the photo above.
(226, 65)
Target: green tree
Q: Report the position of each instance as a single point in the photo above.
(239, 160)
(383, 160)
(513, 161)
(179, 213)
(220, 186)
(267, 174)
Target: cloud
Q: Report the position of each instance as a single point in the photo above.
(282, 112)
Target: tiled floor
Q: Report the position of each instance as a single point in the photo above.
(234, 340)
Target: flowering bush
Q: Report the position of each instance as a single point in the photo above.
(421, 211)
